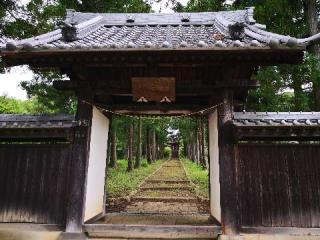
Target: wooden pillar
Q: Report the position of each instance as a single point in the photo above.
(80, 157)
(227, 162)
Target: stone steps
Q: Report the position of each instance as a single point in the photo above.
(166, 188)
(165, 199)
(152, 207)
(166, 181)
(167, 191)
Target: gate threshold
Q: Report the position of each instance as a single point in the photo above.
(153, 226)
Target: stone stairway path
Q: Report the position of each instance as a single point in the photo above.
(164, 207)
(166, 191)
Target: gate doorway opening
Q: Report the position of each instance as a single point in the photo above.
(158, 171)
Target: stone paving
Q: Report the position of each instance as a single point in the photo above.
(168, 190)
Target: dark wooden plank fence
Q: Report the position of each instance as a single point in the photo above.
(278, 185)
(34, 182)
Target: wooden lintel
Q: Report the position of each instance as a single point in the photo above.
(101, 90)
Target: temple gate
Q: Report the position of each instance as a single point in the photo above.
(173, 64)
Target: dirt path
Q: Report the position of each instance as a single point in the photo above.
(168, 190)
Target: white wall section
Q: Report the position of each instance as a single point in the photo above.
(215, 207)
(94, 204)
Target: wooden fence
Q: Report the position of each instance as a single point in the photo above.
(34, 182)
(278, 185)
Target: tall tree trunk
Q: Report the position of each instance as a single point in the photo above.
(185, 149)
(199, 138)
(195, 150)
(109, 148)
(158, 148)
(149, 154)
(113, 159)
(154, 146)
(189, 151)
(130, 148)
(202, 146)
(299, 103)
(311, 13)
(137, 163)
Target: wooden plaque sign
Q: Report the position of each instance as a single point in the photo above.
(158, 89)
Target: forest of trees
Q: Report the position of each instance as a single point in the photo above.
(283, 88)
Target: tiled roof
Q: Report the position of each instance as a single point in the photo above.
(272, 119)
(17, 121)
(226, 29)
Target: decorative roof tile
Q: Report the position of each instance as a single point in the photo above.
(226, 29)
(274, 119)
(18, 121)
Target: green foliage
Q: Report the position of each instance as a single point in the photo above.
(281, 16)
(285, 87)
(107, 6)
(15, 106)
(121, 183)
(313, 64)
(50, 99)
(204, 6)
(269, 96)
(167, 152)
(288, 18)
(185, 126)
(199, 176)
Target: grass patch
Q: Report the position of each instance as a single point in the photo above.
(120, 182)
(199, 176)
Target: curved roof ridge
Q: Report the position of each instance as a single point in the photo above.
(309, 40)
(282, 38)
(234, 29)
(41, 39)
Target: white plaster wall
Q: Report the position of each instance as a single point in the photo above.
(215, 207)
(94, 204)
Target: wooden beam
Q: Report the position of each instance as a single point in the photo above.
(227, 162)
(152, 231)
(164, 56)
(100, 88)
(80, 158)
